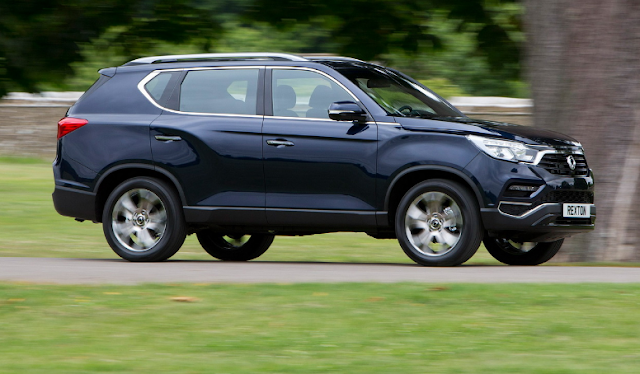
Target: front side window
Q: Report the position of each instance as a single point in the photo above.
(220, 91)
(397, 95)
(304, 94)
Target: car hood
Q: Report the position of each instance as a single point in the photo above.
(525, 134)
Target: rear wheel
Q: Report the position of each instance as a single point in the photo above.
(237, 247)
(143, 221)
(526, 253)
(438, 223)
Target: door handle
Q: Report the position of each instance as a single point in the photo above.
(168, 138)
(280, 143)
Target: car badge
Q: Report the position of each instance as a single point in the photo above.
(571, 162)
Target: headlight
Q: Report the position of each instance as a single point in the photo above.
(504, 149)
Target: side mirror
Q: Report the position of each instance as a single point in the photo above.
(347, 111)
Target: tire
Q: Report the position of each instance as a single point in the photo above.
(513, 253)
(438, 223)
(143, 220)
(234, 247)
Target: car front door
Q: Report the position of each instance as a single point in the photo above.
(319, 173)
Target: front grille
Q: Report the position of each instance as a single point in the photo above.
(573, 221)
(556, 163)
(560, 196)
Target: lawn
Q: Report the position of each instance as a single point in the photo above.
(30, 227)
(292, 328)
(326, 328)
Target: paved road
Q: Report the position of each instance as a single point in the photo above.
(95, 271)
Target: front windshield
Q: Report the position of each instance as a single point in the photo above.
(397, 94)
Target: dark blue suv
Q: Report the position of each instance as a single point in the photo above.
(237, 148)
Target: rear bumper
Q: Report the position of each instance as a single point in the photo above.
(75, 203)
(543, 223)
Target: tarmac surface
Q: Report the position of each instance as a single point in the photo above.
(107, 271)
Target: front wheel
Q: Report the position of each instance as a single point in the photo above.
(526, 253)
(438, 223)
(236, 247)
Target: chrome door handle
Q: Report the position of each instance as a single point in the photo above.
(167, 138)
(280, 143)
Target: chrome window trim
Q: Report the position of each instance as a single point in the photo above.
(302, 118)
(214, 114)
(319, 72)
(316, 119)
(154, 73)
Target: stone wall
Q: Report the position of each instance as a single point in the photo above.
(29, 130)
(28, 123)
(499, 109)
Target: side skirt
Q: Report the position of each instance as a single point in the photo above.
(286, 220)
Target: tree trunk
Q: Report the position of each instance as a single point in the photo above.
(583, 61)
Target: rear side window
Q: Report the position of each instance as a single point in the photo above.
(157, 85)
(220, 91)
(161, 86)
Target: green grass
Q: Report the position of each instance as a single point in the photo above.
(301, 328)
(30, 227)
(320, 328)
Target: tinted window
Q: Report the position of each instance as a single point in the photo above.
(156, 86)
(225, 91)
(302, 93)
(397, 94)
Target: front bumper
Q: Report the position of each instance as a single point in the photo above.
(543, 223)
(531, 216)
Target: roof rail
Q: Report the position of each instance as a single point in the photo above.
(216, 56)
(330, 58)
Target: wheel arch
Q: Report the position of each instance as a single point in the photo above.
(414, 175)
(116, 175)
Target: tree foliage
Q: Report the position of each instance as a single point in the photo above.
(42, 40)
(368, 29)
(39, 39)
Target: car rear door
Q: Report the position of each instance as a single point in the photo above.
(209, 138)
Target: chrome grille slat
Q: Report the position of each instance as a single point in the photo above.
(556, 163)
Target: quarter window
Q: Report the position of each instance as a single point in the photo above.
(158, 87)
(305, 94)
(223, 91)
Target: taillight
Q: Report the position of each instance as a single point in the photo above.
(68, 124)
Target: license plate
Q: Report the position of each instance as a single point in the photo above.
(576, 210)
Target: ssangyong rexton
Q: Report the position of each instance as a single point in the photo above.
(238, 148)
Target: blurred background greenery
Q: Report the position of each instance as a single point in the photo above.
(458, 48)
